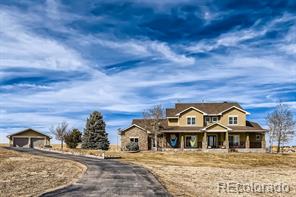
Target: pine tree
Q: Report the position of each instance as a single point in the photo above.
(95, 136)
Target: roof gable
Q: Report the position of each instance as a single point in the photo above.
(28, 130)
(234, 107)
(208, 108)
(189, 108)
(134, 125)
(216, 125)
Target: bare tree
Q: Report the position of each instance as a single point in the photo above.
(154, 116)
(281, 125)
(60, 131)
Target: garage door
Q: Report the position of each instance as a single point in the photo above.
(37, 142)
(21, 142)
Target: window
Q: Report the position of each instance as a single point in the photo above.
(190, 120)
(234, 141)
(214, 119)
(258, 137)
(190, 141)
(232, 120)
(134, 139)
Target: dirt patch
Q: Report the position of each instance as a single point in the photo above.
(202, 174)
(26, 175)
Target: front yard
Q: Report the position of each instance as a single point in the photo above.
(202, 174)
(26, 175)
(199, 174)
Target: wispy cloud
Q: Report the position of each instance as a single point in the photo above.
(61, 61)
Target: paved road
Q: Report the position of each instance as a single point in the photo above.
(107, 178)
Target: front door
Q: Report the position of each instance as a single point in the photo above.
(212, 141)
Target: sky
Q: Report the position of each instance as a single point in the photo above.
(61, 60)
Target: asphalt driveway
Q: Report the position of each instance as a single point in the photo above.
(107, 178)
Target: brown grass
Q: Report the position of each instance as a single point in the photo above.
(26, 175)
(198, 174)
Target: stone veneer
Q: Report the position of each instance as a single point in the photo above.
(137, 133)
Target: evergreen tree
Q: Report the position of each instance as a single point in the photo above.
(95, 136)
(72, 138)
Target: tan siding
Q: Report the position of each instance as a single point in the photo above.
(216, 128)
(199, 118)
(173, 122)
(241, 117)
(135, 132)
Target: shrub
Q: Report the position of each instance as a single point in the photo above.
(132, 146)
(72, 138)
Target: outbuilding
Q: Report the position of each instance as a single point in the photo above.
(29, 138)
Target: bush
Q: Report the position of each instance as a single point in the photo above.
(132, 146)
(72, 138)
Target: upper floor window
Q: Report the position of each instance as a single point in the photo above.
(214, 119)
(232, 120)
(190, 120)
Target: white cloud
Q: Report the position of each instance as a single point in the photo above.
(22, 48)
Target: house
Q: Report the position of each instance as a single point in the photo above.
(29, 138)
(199, 126)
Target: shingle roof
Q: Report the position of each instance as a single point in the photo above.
(250, 126)
(147, 123)
(209, 108)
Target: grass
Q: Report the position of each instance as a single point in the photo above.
(27, 175)
(198, 174)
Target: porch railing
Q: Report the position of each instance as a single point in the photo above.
(255, 145)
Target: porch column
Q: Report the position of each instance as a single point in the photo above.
(227, 140)
(247, 140)
(29, 142)
(164, 140)
(263, 143)
(205, 141)
(182, 142)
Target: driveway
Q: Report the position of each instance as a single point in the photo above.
(107, 178)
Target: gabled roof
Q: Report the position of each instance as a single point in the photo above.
(240, 109)
(29, 129)
(208, 108)
(146, 124)
(221, 125)
(178, 114)
(134, 125)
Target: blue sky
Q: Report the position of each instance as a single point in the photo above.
(61, 60)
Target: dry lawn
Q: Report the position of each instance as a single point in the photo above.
(199, 174)
(26, 175)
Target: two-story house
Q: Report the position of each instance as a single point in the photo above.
(199, 126)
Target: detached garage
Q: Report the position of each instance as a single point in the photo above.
(29, 138)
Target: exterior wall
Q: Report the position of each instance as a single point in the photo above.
(137, 133)
(29, 134)
(173, 122)
(241, 117)
(199, 119)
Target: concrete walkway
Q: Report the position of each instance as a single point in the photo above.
(107, 178)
